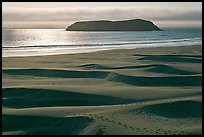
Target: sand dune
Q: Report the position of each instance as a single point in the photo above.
(132, 80)
(135, 92)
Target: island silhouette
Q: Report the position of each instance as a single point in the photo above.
(106, 25)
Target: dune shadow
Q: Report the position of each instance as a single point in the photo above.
(171, 58)
(157, 81)
(177, 109)
(164, 69)
(41, 125)
(56, 73)
(183, 55)
(28, 98)
(156, 68)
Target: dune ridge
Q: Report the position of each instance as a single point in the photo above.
(132, 80)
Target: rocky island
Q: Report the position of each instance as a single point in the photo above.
(104, 25)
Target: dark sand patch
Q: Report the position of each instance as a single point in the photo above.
(28, 98)
(156, 68)
(37, 125)
(56, 73)
(157, 81)
(171, 55)
(100, 132)
(168, 70)
(171, 58)
(178, 109)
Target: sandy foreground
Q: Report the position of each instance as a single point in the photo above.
(125, 91)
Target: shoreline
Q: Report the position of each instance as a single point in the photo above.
(101, 50)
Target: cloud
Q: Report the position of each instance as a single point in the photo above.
(70, 15)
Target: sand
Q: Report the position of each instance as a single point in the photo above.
(126, 91)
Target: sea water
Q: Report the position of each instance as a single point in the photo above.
(35, 42)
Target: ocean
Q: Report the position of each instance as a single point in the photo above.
(37, 42)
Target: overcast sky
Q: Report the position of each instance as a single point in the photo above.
(63, 14)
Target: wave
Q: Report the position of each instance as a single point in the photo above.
(197, 39)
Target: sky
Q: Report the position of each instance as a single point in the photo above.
(62, 14)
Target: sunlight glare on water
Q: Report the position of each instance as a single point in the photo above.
(34, 42)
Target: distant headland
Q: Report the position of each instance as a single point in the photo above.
(105, 25)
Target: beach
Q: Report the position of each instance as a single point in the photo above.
(122, 91)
